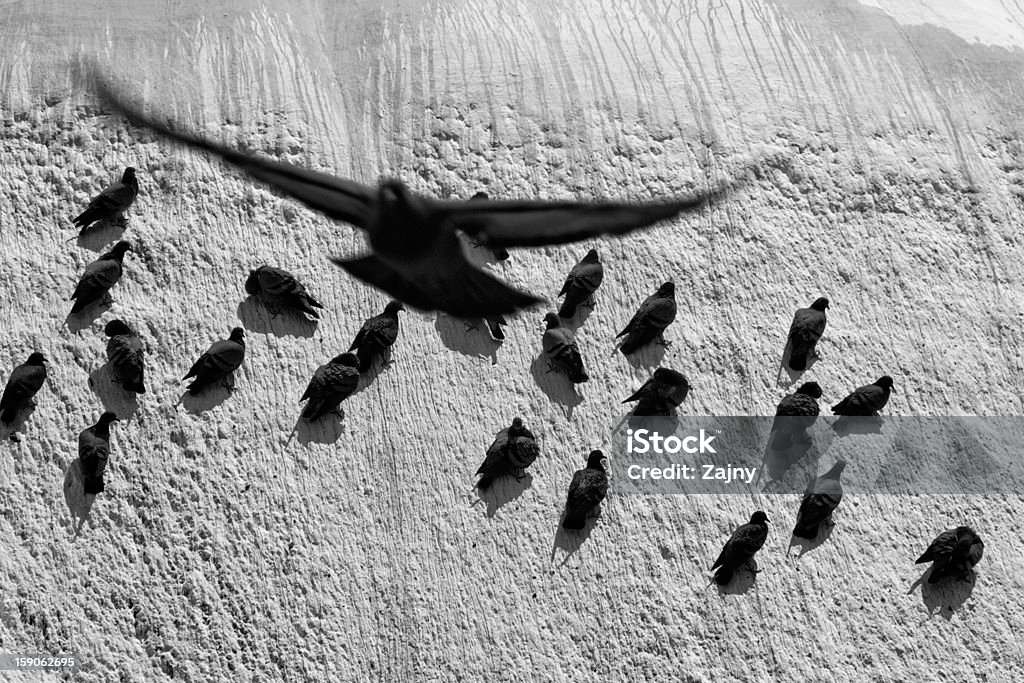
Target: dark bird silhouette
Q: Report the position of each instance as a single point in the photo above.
(99, 277)
(866, 400)
(583, 280)
(649, 322)
(331, 384)
(218, 363)
(661, 394)
(377, 335)
(820, 499)
(25, 381)
(954, 553)
(587, 489)
(94, 451)
(560, 347)
(127, 355)
(741, 547)
(111, 202)
(514, 449)
(798, 412)
(807, 328)
(280, 291)
(416, 255)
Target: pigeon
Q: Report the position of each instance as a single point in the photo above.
(126, 354)
(560, 347)
(807, 328)
(332, 383)
(111, 202)
(218, 363)
(587, 489)
(377, 335)
(820, 499)
(741, 547)
(654, 315)
(99, 277)
(661, 394)
(513, 451)
(25, 381)
(93, 452)
(954, 553)
(280, 291)
(866, 400)
(799, 411)
(583, 280)
(416, 256)
(500, 253)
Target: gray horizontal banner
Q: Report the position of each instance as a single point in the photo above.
(893, 455)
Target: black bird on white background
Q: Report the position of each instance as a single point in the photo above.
(587, 489)
(866, 400)
(953, 553)
(219, 363)
(583, 280)
(741, 547)
(332, 383)
(24, 383)
(281, 291)
(377, 335)
(94, 451)
(798, 412)
(99, 277)
(820, 500)
(415, 253)
(127, 356)
(649, 322)
(561, 350)
(514, 449)
(805, 331)
(110, 203)
(661, 394)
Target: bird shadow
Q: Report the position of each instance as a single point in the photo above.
(858, 424)
(475, 343)
(78, 501)
(647, 356)
(580, 317)
(569, 541)
(255, 317)
(9, 431)
(376, 369)
(555, 385)
(503, 491)
(791, 374)
(77, 322)
(207, 399)
(101, 234)
(946, 596)
(808, 545)
(742, 580)
(113, 396)
(778, 462)
(326, 430)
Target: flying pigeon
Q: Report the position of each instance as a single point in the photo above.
(513, 451)
(587, 489)
(218, 363)
(127, 356)
(25, 381)
(111, 202)
(741, 547)
(559, 345)
(954, 553)
(500, 253)
(93, 452)
(649, 322)
(99, 277)
(280, 291)
(416, 255)
(661, 394)
(820, 499)
(866, 400)
(377, 335)
(583, 280)
(798, 411)
(331, 384)
(807, 328)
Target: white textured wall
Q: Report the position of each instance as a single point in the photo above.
(891, 179)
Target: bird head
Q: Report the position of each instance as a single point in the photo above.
(551, 320)
(517, 423)
(667, 289)
(591, 256)
(36, 358)
(838, 468)
(107, 417)
(810, 389)
(115, 327)
(237, 335)
(393, 307)
(820, 304)
(119, 249)
(348, 359)
(670, 377)
(129, 175)
(885, 381)
(595, 460)
(478, 196)
(759, 518)
(252, 283)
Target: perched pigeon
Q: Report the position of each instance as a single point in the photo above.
(111, 202)
(741, 547)
(798, 411)
(954, 552)
(99, 277)
(654, 315)
(500, 253)
(332, 383)
(820, 499)
(587, 489)
(807, 328)
(93, 452)
(25, 381)
(559, 345)
(866, 400)
(416, 255)
(377, 335)
(127, 355)
(661, 394)
(513, 451)
(583, 280)
(218, 363)
(280, 291)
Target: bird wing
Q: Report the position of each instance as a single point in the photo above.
(941, 547)
(338, 198)
(643, 391)
(25, 381)
(315, 382)
(99, 275)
